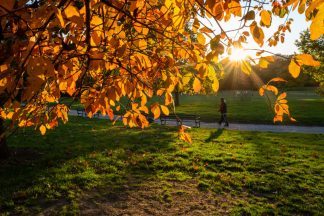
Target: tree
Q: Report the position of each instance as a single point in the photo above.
(316, 49)
(100, 51)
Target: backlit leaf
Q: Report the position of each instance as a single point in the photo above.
(265, 17)
(294, 68)
(317, 26)
(155, 109)
(307, 59)
(71, 11)
(60, 17)
(165, 110)
(272, 88)
(263, 62)
(257, 33)
(234, 7)
(215, 85)
(201, 39)
(282, 96)
(277, 79)
(196, 85)
(42, 129)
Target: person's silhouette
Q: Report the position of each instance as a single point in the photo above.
(223, 111)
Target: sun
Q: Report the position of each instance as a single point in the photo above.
(237, 55)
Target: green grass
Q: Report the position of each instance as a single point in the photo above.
(305, 106)
(89, 164)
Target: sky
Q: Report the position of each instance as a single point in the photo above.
(288, 47)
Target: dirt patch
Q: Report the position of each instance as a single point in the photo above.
(169, 198)
(149, 198)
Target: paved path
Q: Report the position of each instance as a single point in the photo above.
(247, 127)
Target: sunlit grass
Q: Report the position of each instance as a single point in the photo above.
(243, 172)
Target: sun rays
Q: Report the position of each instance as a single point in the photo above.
(237, 55)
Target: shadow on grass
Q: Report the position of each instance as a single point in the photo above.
(214, 135)
(81, 155)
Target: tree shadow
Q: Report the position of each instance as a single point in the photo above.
(79, 155)
(214, 135)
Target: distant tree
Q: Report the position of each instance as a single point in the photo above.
(316, 49)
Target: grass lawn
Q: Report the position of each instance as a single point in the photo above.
(90, 167)
(305, 106)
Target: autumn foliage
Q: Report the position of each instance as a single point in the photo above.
(100, 51)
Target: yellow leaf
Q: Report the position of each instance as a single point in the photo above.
(301, 7)
(185, 79)
(257, 33)
(168, 98)
(282, 96)
(272, 88)
(155, 109)
(3, 68)
(196, 85)
(96, 21)
(201, 39)
(212, 57)
(261, 91)
(246, 67)
(187, 138)
(144, 109)
(42, 129)
(317, 26)
(277, 79)
(143, 100)
(292, 119)
(294, 68)
(141, 44)
(168, 3)
(95, 38)
(235, 8)
(307, 59)
(160, 92)
(3, 82)
(265, 17)
(183, 135)
(71, 11)
(263, 63)
(277, 118)
(215, 85)
(165, 110)
(59, 16)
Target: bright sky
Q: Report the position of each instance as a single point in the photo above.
(288, 47)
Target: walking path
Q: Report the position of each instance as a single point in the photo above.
(247, 127)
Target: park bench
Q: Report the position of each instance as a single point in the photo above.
(180, 119)
(82, 113)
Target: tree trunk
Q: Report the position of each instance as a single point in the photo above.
(4, 150)
(177, 96)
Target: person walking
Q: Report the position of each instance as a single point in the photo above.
(223, 111)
